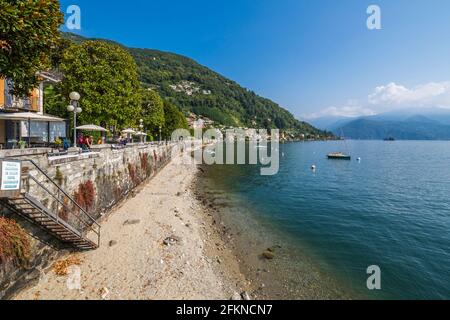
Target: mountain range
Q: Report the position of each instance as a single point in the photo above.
(407, 124)
(198, 89)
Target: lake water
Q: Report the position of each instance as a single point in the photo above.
(391, 209)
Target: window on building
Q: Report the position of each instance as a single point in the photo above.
(39, 132)
(44, 132)
(57, 130)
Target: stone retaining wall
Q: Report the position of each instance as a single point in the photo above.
(108, 174)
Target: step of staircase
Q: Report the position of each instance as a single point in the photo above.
(34, 211)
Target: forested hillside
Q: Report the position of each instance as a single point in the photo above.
(193, 87)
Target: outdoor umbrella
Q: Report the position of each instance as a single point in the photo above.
(92, 127)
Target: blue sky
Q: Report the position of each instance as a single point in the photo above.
(313, 57)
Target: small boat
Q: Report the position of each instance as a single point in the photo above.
(339, 156)
(389, 139)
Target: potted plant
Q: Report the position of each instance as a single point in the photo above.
(22, 144)
(58, 144)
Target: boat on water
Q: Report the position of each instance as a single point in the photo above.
(339, 156)
(389, 139)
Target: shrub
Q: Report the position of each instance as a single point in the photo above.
(133, 174)
(59, 176)
(64, 211)
(15, 243)
(85, 196)
(144, 164)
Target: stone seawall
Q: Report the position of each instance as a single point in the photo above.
(97, 180)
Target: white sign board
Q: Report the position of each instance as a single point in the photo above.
(11, 174)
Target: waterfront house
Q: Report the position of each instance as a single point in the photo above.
(22, 120)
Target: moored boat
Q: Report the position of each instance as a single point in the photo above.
(339, 156)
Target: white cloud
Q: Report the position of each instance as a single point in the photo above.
(431, 94)
(349, 111)
(392, 97)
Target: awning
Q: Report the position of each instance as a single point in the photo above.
(142, 134)
(25, 116)
(92, 127)
(129, 131)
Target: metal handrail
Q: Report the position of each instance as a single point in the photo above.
(62, 190)
(94, 222)
(60, 202)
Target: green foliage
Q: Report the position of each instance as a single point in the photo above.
(174, 120)
(29, 32)
(54, 102)
(106, 77)
(216, 97)
(59, 176)
(152, 111)
(57, 53)
(58, 142)
(22, 144)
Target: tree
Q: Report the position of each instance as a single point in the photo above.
(29, 31)
(106, 77)
(152, 111)
(54, 102)
(174, 119)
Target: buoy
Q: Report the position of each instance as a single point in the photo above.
(313, 167)
(359, 159)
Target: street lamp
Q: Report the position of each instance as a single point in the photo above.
(160, 128)
(141, 126)
(73, 107)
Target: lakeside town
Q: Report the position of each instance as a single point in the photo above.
(25, 124)
(226, 156)
(86, 146)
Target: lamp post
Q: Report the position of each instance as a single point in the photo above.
(73, 107)
(141, 126)
(160, 131)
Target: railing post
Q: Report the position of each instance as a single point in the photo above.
(90, 225)
(57, 208)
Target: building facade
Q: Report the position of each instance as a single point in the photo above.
(22, 120)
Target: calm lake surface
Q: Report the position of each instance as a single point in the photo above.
(391, 209)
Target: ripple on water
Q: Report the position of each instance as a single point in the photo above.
(391, 209)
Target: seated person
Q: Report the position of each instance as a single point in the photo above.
(124, 141)
(66, 144)
(81, 143)
(89, 141)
